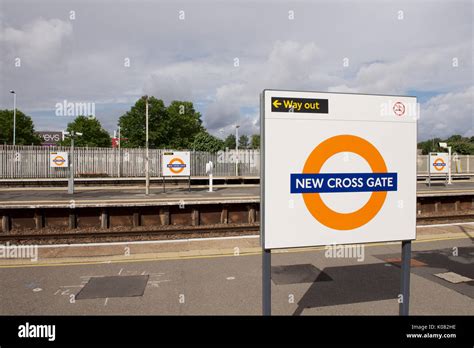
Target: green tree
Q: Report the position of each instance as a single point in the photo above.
(93, 135)
(25, 130)
(183, 125)
(462, 147)
(255, 141)
(173, 127)
(207, 142)
(243, 142)
(229, 142)
(133, 125)
(455, 138)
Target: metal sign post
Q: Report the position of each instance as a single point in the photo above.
(405, 277)
(267, 282)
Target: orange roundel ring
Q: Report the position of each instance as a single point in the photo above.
(438, 160)
(176, 170)
(314, 163)
(59, 160)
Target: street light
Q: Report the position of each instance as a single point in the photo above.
(445, 146)
(147, 168)
(14, 115)
(237, 149)
(70, 186)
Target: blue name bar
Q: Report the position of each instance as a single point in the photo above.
(343, 182)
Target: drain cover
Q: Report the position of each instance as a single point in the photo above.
(116, 286)
(453, 277)
(294, 274)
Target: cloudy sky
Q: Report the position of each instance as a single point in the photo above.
(221, 54)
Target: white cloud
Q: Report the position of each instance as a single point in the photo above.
(36, 43)
(426, 69)
(448, 114)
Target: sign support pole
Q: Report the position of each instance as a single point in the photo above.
(70, 187)
(266, 282)
(405, 277)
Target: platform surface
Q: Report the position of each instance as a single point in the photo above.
(135, 195)
(208, 277)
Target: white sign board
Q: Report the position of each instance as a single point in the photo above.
(58, 160)
(439, 163)
(176, 163)
(338, 168)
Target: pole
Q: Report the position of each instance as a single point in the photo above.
(405, 278)
(266, 282)
(449, 167)
(429, 169)
(147, 168)
(70, 188)
(119, 153)
(237, 150)
(14, 118)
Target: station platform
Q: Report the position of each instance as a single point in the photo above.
(125, 197)
(55, 197)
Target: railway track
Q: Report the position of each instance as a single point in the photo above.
(141, 234)
(132, 234)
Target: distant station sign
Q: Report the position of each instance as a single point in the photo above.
(340, 176)
(58, 159)
(176, 163)
(439, 163)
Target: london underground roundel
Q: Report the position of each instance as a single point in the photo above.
(378, 182)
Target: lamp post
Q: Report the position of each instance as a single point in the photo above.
(237, 149)
(70, 186)
(445, 146)
(147, 168)
(14, 115)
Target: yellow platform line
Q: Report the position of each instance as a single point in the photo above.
(252, 251)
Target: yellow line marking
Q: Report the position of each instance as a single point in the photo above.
(250, 253)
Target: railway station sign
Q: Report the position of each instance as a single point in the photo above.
(439, 163)
(345, 172)
(176, 163)
(58, 160)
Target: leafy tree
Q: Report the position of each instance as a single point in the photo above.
(229, 142)
(207, 142)
(133, 124)
(255, 141)
(173, 127)
(183, 125)
(462, 147)
(243, 142)
(93, 135)
(459, 144)
(455, 138)
(25, 132)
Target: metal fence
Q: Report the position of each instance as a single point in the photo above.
(18, 162)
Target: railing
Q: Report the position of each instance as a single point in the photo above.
(33, 162)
